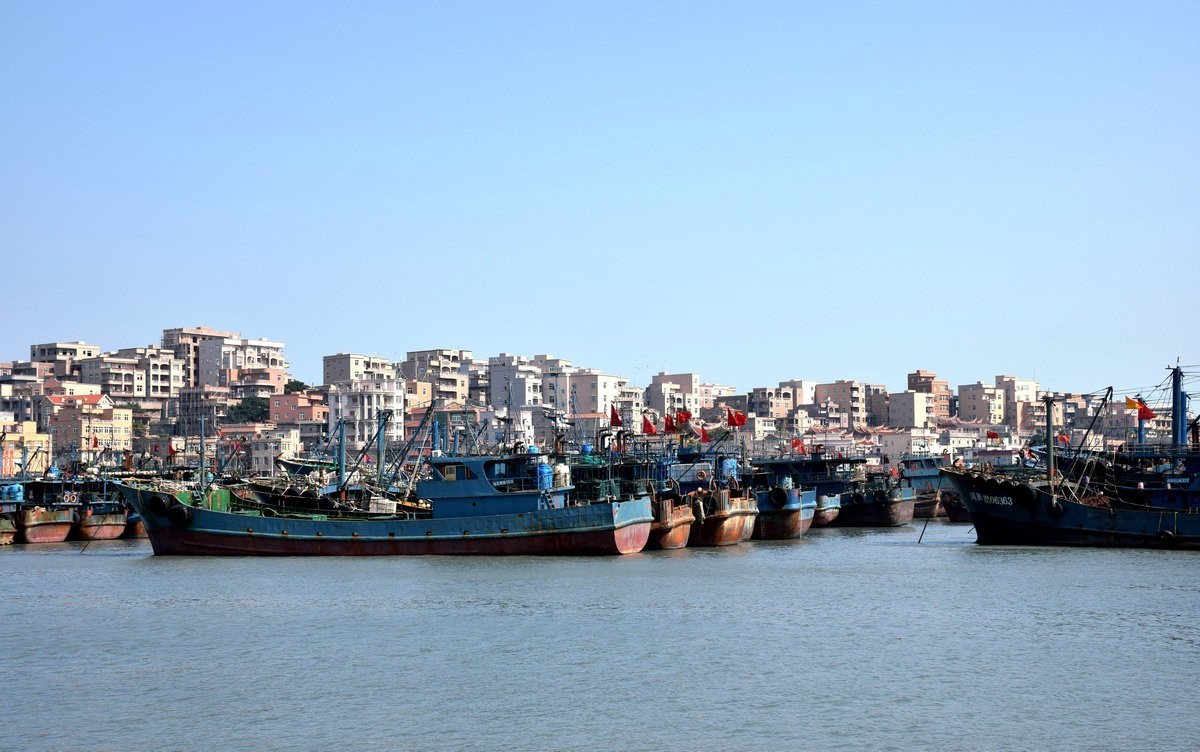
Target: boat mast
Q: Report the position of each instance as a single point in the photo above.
(1049, 401)
(1178, 410)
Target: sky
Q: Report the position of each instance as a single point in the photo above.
(755, 192)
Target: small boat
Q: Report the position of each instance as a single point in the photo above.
(99, 518)
(134, 527)
(672, 526)
(828, 507)
(39, 524)
(922, 473)
(723, 510)
(860, 502)
(785, 509)
(721, 519)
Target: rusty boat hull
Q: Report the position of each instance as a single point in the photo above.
(42, 525)
(8, 531)
(672, 526)
(877, 509)
(784, 513)
(722, 519)
(182, 525)
(99, 526)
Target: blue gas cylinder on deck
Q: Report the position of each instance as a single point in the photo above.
(545, 477)
(729, 468)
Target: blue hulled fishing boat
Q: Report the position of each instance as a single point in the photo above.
(496, 505)
(785, 507)
(1143, 496)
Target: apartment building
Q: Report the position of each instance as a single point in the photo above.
(361, 388)
(445, 370)
(23, 448)
(513, 380)
(980, 402)
(346, 367)
(927, 382)
(89, 425)
(221, 359)
(912, 409)
(850, 397)
(185, 342)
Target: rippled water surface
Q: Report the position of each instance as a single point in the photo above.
(848, 640)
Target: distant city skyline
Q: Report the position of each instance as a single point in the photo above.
(760, 193)
(310, 373)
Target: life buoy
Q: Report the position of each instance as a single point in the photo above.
(70, 497)
(701, 475)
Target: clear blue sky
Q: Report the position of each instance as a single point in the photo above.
(753, 191)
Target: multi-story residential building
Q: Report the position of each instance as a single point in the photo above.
(222, 358)
(88, 426)
(298, 407)
(772, 402)
(164, 371)
(417, 394)
(264, 383)
(203, 406)
(582, 391)
(876, 396)
(927, 382)
(445, 370)
(479, 387)
(23, 448)
(850, 397)
(911, 410)
(119, 378)
(514, 381)
(361, 388)
(981, 402)
(1016, 391)
(345, 367)
(185, 342)
(264, 448)
(803, 392)
(51, 352)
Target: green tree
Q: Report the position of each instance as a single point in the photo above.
(294, 385)
(249, 410)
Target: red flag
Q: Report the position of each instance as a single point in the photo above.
(648, 427)
(95, 441)
(703, 435)
(683, 416)
(614, 419)
(670, 424)
(1144, 412)
(739, 418)
(1064, 438)
(993, 435)
(798, 445)
(730, 418)
(171, 449)
(156, 448)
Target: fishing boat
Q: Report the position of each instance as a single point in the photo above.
(723, 510)
(922, 473)
(605, 476)
(785, 508)
(860, 502)
(1048, 507)
(98, 517)
(39, 524)
(496, 505)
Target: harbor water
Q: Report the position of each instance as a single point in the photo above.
(847, 640)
